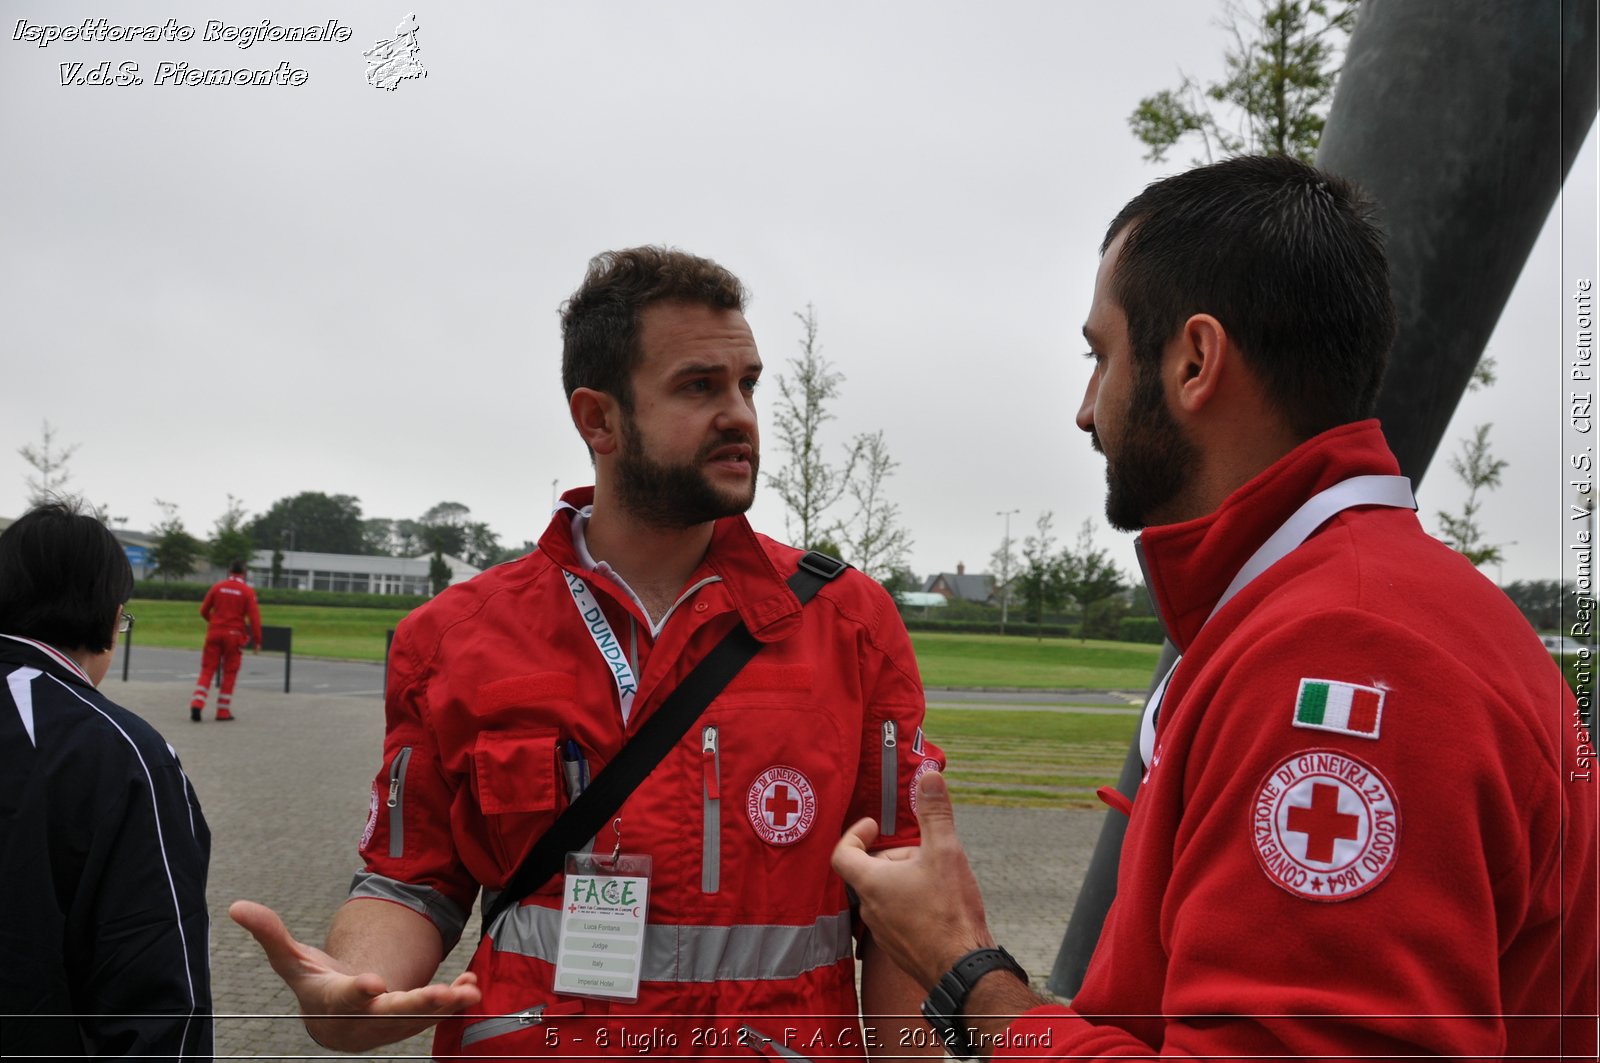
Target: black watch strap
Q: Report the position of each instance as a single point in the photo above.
(948, 999)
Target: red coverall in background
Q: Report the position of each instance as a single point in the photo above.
(229, 606)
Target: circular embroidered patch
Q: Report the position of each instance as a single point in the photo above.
(372, 817)
(1325, 825)
(922, 769)
(782, 805)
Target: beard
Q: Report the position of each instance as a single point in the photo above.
(1153, 461)
(678, 496)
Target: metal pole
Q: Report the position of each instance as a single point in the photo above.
(127, 650)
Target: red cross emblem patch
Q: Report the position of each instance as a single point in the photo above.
(1325, 825)
(781, 805)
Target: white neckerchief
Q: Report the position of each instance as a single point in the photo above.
(53, 653)
(1391, 491)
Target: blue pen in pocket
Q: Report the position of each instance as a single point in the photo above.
(575, 768)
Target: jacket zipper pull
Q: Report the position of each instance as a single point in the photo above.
(531, 1016)
(394, 792)
(708, 762)
(888, 734)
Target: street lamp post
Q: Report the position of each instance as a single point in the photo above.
(1005, 566)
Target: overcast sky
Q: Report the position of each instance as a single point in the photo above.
(331, 287)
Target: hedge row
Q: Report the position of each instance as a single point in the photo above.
(195, 592)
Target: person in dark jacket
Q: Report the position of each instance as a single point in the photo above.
(103, 848)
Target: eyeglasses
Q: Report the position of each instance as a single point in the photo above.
(127, 622)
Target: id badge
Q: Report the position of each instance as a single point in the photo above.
(603, 916)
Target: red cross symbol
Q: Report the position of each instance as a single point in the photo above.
(1323, 823)
(780, 806)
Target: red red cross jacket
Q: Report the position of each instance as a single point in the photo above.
(747, 923)
(1369, 825)
(230, 605)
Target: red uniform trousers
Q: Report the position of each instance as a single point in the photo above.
(223, 646)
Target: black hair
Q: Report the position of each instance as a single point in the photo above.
(62, 577)
(1287, 257)
(236, 567)
(600, 323)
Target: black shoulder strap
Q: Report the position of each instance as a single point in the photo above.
(670, 722)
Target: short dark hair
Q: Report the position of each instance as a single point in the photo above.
(236, 567)
(600, 323)
(62, 577)
(1287, 257)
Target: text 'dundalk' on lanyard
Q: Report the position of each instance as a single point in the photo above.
(1391, 491)
(605, 640)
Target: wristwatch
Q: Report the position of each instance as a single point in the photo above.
(943, 1008)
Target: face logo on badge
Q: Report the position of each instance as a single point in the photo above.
(782, 805)
(1325, 826)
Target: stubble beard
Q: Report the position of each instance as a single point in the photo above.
(1154, 458)
(678, 495)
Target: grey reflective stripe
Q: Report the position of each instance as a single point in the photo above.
(710, 812)
(686, 953)
(891, 779)
(474, 1032)
(397, 807)
(424, 900)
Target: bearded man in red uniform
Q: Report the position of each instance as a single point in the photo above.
(232, 618)
(738, 939)
(1365, 828)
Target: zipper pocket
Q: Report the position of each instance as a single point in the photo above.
(710, 811)
(891, 779)
(501, 1025)
(397, 808)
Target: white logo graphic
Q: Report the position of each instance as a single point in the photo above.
(393, 61)
(372, 817)
(782, 805)
(1325, 826)
(916, 777)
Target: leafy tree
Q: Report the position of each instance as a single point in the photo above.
(511, 553)
(1278, 82)
(230, 541)
(1480, 470)
(1088, 576)
(482, 546)
(443, 528)
(377, 537)
(49, 462)
(1540, 600)
(175, 551)
(438, 574)
(1040, 582)
(1003, 563)
(314, 521)
(808, 484)
(874, 539)
(900, 579)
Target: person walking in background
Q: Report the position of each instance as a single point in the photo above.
(103, 847)
(230, 605)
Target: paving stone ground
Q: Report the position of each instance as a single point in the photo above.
(285, 790)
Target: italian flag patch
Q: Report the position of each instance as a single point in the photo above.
(1328, 705)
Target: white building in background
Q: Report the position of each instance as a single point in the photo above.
(360, 573)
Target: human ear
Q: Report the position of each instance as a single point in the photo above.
(1204, 353)
(598, 419)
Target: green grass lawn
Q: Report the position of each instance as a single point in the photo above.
(1014, 758)
(949, 660)
(1023, 759)
(319, 630)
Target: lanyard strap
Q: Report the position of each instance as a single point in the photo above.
(605, 640)
(1393, 492)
